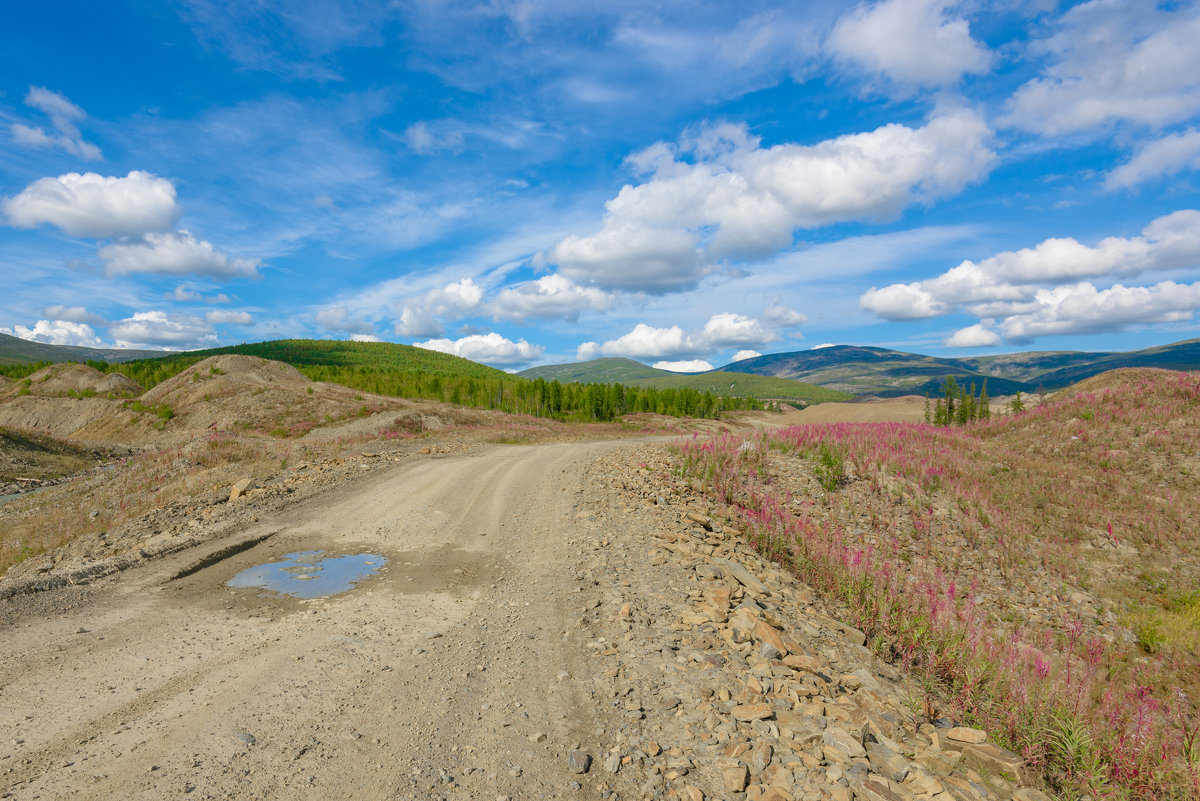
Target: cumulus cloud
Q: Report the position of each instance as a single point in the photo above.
(491, 348)
(999, 285)
(549, 297)
(229, 317)
(1166, 156)
(1039, 291)
(980, 335)
(157, 329)
(174, 253)
(57, 332)
(73, 314)
(1112, 62)
(722, 331)
(63, 116)
(742, 355)
(96, 206)
(364, 338)
(688, 366)
(726, 330)
(643, 342)
(717, 196)
(416, 322)
(910, 41)
(418, 317)
(1083, 309)
(337, 318)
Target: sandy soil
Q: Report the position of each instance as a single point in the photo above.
(908, 409)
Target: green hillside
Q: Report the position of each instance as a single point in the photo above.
(636, 374)
(609, 370)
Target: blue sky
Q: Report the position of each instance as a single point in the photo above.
(524, 182)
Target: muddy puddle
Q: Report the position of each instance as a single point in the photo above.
(309, 574)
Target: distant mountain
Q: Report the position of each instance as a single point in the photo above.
(14, 350)
(879, 371)
(636, 374)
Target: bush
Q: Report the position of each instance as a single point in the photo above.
(831, 468)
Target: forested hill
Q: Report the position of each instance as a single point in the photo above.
(636, 374)
(407, 372)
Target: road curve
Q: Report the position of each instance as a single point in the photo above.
(435, 677)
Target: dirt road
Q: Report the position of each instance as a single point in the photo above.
(458, 670)
(566, 621)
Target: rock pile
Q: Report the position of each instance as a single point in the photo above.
(733, 682)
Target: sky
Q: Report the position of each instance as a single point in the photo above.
(525, 182)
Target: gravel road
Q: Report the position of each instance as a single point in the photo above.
(559, 621)
(458, 670)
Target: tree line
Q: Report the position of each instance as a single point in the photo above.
(958, 405)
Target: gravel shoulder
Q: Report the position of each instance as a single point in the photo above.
(554, 621)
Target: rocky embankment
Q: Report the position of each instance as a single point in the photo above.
(730, 680)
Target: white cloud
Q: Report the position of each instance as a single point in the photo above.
(1082, 309)
(1038, 291)
(63, 115)
(418, 317)
(549, 297)
(742, 355)
(738, 200)
(1165, 156)
(902, 302)
(487, 348)
(364, 338)
(1112, 62)
(633, 256)
(73, 314)
(643, 342)
(57, 332)
(726, 330)
(1002, 284)
(159, 329)
(229, 317)
(979, 335)
(96, 206)
(421, 139)
(647, 342)
(784, 317)
(186, 293)
(824, 345)
(175, 253)
(910, 41)
(689, 366)
(416, 322)
(337, 318)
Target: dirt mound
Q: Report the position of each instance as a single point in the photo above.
(1146, 378)
(907, 409)
(60, 380)
(247, 394)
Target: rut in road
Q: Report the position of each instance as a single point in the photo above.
(454, 669)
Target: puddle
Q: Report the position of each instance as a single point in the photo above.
(310, 574)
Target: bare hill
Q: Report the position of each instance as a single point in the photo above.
(79, 379)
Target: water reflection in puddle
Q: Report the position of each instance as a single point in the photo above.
(308, 574)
